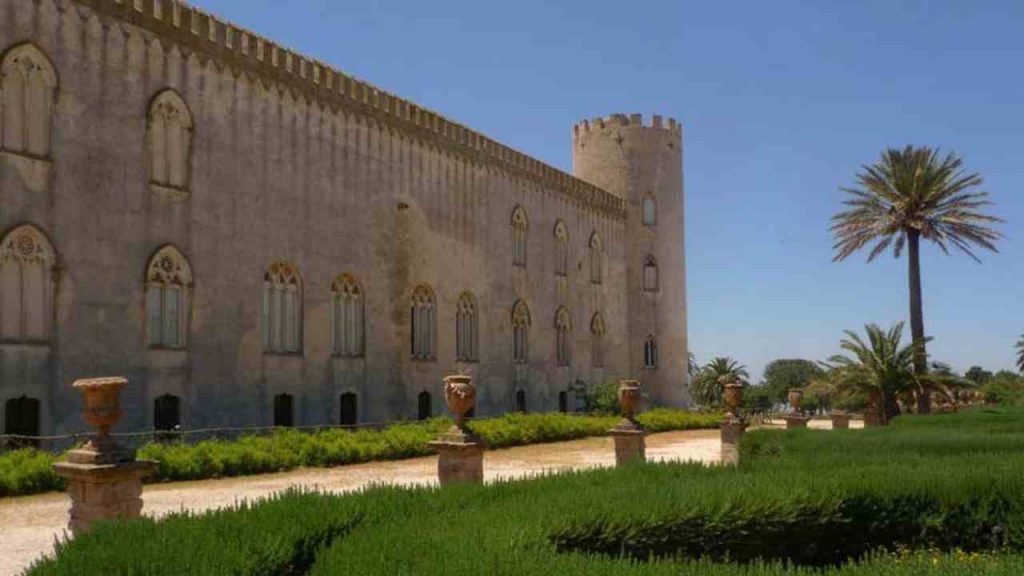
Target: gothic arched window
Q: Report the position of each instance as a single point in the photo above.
(650, 353)
(168, 287)
(650, 275)
(650, 211)
(596, 258)
(466, 337)
(170, 140)
(563, 324)
(347, 317)
(26, 286)
(520, 226)
(561, 249)
(520, 332)
(282, 309)
(424, 324)
(597, 340)
(28, 84)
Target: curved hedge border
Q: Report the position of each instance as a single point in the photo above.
(29, 471)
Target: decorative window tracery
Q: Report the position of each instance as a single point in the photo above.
(168, 287)
(596, 259)
(282, 309)
(561, 249)
(520, 332)
(520, 227)
(424, 323)
(466, 336)
(348, 334)
(563, 324)
(26, 286)
(650, 275)
(170, 141)
(597, 340)
(28, 84)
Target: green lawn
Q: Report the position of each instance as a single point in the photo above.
(932, 495)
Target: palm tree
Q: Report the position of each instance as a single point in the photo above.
(708, 385)
(1020, 353)
(880, 367)
(912, 194)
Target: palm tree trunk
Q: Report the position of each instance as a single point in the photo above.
(924, 402)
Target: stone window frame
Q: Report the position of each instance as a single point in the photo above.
(348, 317)
(51, 86)
(23, 248)
(423, 324)
(649, 211)
(467, 329)
(650, 353)
(281, 313)
(169, 98)
(563, 328)
(520, 332)
(168, 274)
(520, 236)
(561, 234)
(597, 331)
(649, 275)
(596, 247)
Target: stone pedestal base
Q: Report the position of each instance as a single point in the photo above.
(460, 458)
(103, 491)
(732, 429)
(630, 445)
(840, 421)
(796, 421)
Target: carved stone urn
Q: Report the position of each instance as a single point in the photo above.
(629, 398)
(102, 410)
(796, 396)
(734, 397)
(460, 395)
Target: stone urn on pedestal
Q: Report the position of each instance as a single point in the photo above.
(840, 419)
(796, 419)
(460, 453)
(733, 425)
(104, 479)
(629, 435)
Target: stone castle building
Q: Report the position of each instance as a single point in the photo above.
(255, 238)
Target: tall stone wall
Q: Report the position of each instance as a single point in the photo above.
(293, 162)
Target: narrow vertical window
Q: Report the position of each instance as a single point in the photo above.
(520, 332)
(650, 213)
(347, 316)
(561, 249)
(466, 329)
(170, 141)
(650, 275)
(282, 310)
(28, 84)
(423, 326)
(26, 286)
(597, 340)
(519, 231)
(596, 259)
(168, 287)
(563, 324)
(650, 353)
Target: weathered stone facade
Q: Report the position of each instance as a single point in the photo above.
(227, 222)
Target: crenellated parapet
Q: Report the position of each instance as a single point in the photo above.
(619, 121)
(231, 45)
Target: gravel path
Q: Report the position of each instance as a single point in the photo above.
(30, 525)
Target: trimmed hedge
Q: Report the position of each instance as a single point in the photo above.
(925, 496)
(29, 471)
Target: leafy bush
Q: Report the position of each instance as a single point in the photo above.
(929, 495)
(1004, 388)
(30, 471)
(604, 399)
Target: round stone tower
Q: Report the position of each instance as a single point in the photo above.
(643, 164)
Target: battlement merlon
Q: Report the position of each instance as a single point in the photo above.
(236, 46)
(657, 122)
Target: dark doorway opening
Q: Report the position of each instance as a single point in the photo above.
(167, 413)
(349, 409)
(284, 412)
(521, 401)
(21, 418)
(563, 402)
(425, 408)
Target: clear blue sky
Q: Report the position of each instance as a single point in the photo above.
(781, 102)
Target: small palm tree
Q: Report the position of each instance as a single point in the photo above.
(1020, 353)
(708, 386)
(912, 194)
(881, 367)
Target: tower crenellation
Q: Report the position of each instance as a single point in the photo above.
(656, 122)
